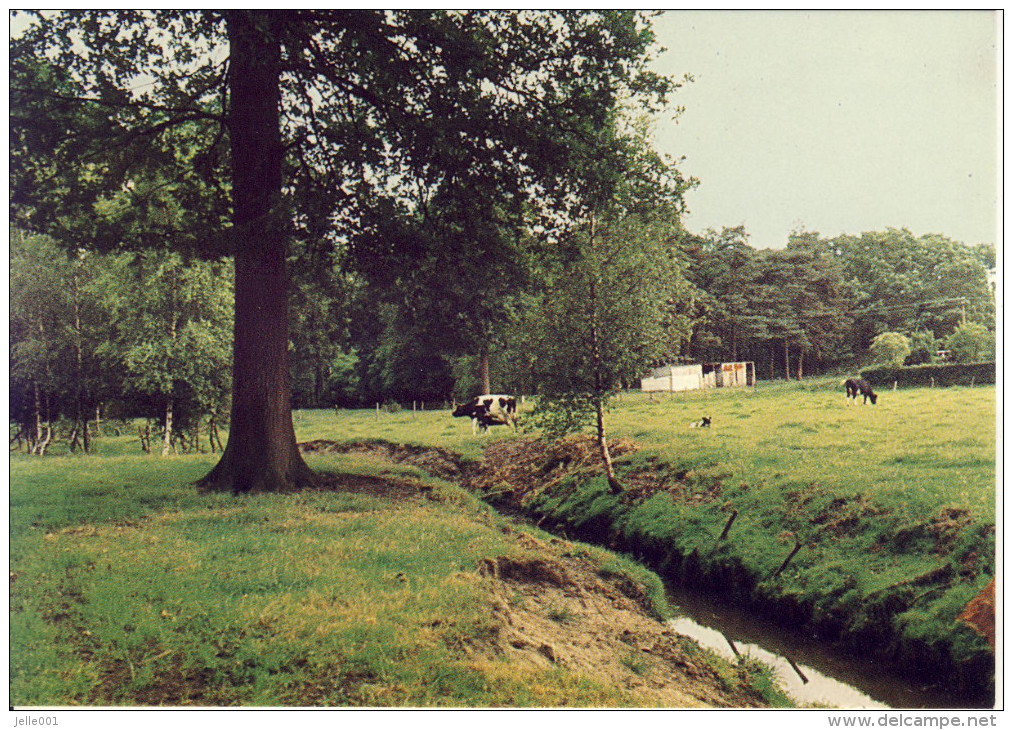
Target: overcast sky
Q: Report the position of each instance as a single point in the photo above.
(838, 122)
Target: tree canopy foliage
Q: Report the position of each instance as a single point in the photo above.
(818, 303)
(378, 109)
(238, 131)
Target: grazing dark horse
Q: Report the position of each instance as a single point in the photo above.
(854, 388)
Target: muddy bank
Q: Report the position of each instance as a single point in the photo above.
(437, 462)
(563, 609)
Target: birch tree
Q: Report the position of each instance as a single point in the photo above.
(607, 305)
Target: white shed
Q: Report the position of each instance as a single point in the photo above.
(694, 377)
(673, 378)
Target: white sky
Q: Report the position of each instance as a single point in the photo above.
(836, 121)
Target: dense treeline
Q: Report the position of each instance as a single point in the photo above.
(814, 306)
(819, 303)
(103, 337)
(97, 335)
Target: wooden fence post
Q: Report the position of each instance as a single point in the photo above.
(805, 679)
(728, 525)
(798, 546)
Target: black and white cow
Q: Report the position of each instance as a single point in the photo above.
(489, 410)
(855, 387)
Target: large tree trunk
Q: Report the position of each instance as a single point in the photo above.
(261, 454)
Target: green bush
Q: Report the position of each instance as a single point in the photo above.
(923, 348)
(971, 342)
(890, 348)
(978, 373)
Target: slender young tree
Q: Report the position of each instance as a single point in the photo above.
(607, 307)
(604, 322)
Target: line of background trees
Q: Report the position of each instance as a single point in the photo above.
(101, 337)
(817, 305)
(143, 334)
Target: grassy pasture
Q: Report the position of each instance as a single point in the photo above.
(785, 455)
(425, 428)
(128, 587)
(893, 505)
(917, 449)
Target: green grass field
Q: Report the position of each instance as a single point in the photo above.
(128, 587)
(788, 456)
(916, 450)
(893, 505)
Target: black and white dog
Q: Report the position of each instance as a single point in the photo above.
(704, 422)
(855, 387)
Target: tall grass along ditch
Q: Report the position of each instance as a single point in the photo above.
(875, 580)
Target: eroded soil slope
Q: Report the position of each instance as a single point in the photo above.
(562, 609)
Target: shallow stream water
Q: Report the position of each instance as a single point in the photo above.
(807, 669)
